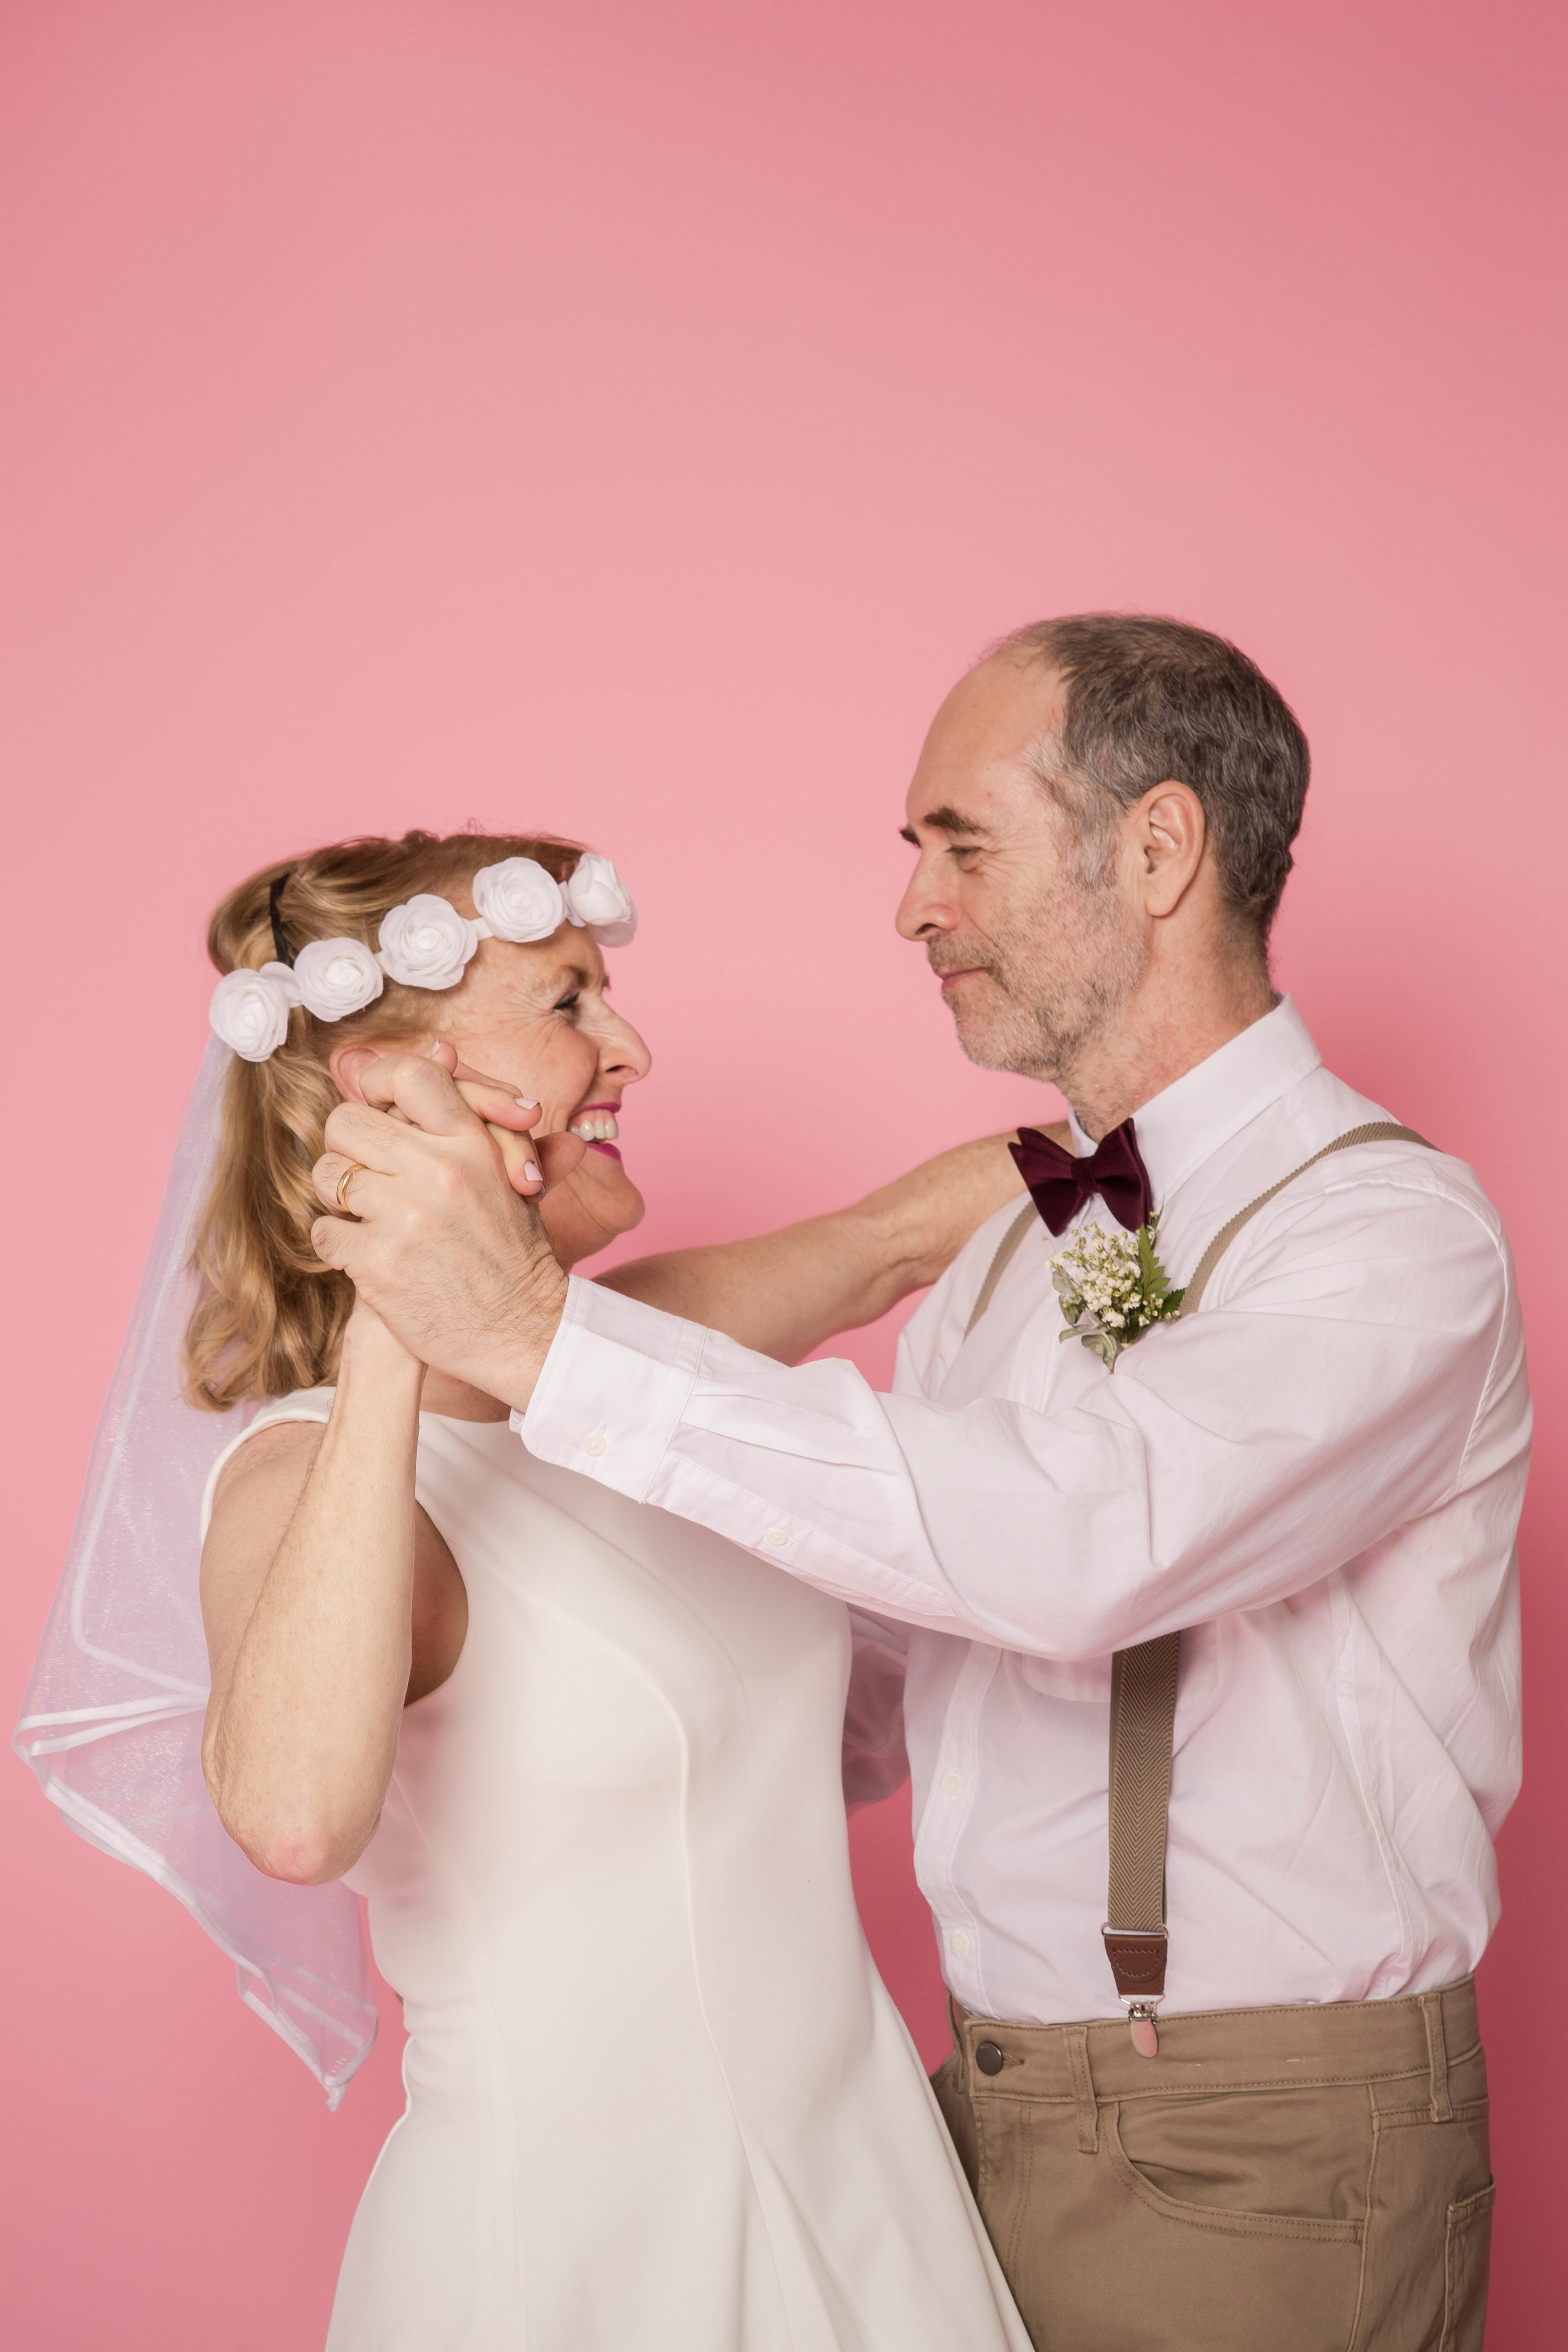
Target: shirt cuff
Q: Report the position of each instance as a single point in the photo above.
(613, 1389)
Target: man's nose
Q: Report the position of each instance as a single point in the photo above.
(924, 908)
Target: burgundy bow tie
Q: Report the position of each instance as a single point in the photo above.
(1059, 1184)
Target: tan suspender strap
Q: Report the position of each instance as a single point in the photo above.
(1027, 1215)
(1377, 1130)
(1143, 1719)
(1143, 1701)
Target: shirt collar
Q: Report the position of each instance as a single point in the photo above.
(1187, 1122)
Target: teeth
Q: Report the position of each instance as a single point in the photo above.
(598, 1127)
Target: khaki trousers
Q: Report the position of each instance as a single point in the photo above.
(1312, 2179)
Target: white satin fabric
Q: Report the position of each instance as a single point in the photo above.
(658, 2098)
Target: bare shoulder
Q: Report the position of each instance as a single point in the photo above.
(257, 1493)
(265, 1474)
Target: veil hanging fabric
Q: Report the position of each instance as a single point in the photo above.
(112, 1720)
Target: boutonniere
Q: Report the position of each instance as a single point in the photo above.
(1113, 1288)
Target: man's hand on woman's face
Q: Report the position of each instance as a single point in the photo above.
(437, 1241)
(532, 1163)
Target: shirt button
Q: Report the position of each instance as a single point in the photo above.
(958, 1940)
(776, 1538)
(595, 1442)
(952, 1784)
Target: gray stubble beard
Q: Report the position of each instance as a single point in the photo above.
(1054, 1005)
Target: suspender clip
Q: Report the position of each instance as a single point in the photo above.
(1138, 1964)
(1140, 2018)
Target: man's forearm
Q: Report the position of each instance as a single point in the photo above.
(1232, 1456)
(783, 1293)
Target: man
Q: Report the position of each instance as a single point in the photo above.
(1313, 1473)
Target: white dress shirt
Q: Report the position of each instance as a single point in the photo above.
(1318, 1475)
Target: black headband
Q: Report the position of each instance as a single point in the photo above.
(280, 942)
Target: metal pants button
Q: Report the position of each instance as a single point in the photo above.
(988, 2058)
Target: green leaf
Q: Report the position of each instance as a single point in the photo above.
(1156, 1281)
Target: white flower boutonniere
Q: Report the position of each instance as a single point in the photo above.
(1113, 1288)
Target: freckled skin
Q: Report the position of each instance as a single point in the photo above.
(539, 1017)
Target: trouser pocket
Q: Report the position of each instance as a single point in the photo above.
(1243, 2221)
(1467, 2259)
(1216, 2224)
(1428, 2230)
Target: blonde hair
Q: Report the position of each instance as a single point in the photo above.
(270, 1316)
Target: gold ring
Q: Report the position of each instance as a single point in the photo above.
(353, 1169)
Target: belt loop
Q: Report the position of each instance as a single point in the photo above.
(1438, 2057)
(1083, 2091)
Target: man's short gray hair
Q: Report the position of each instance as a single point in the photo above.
(1151, 701)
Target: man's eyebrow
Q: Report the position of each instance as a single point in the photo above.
(945, 819)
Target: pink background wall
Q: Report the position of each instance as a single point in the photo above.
(628, 418)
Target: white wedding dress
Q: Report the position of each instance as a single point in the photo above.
(658, 2098)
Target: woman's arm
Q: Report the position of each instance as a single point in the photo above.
(784, 1293)
(329, 1601)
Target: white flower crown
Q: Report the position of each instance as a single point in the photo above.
(423, 943)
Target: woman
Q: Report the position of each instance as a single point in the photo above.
(582, 1758)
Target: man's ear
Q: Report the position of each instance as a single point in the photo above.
(1168, 842)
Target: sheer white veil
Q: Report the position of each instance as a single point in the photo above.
(112, 1720)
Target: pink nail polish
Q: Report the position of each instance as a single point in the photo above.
(532, 1172)
(523, 1104)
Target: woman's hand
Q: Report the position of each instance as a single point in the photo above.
(436, 1239)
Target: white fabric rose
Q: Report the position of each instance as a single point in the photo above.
(336, 977)
(598, 900)
(426, 943)
(249, 1010)
(518, 899)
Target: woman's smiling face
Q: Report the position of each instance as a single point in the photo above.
(537, 1018)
